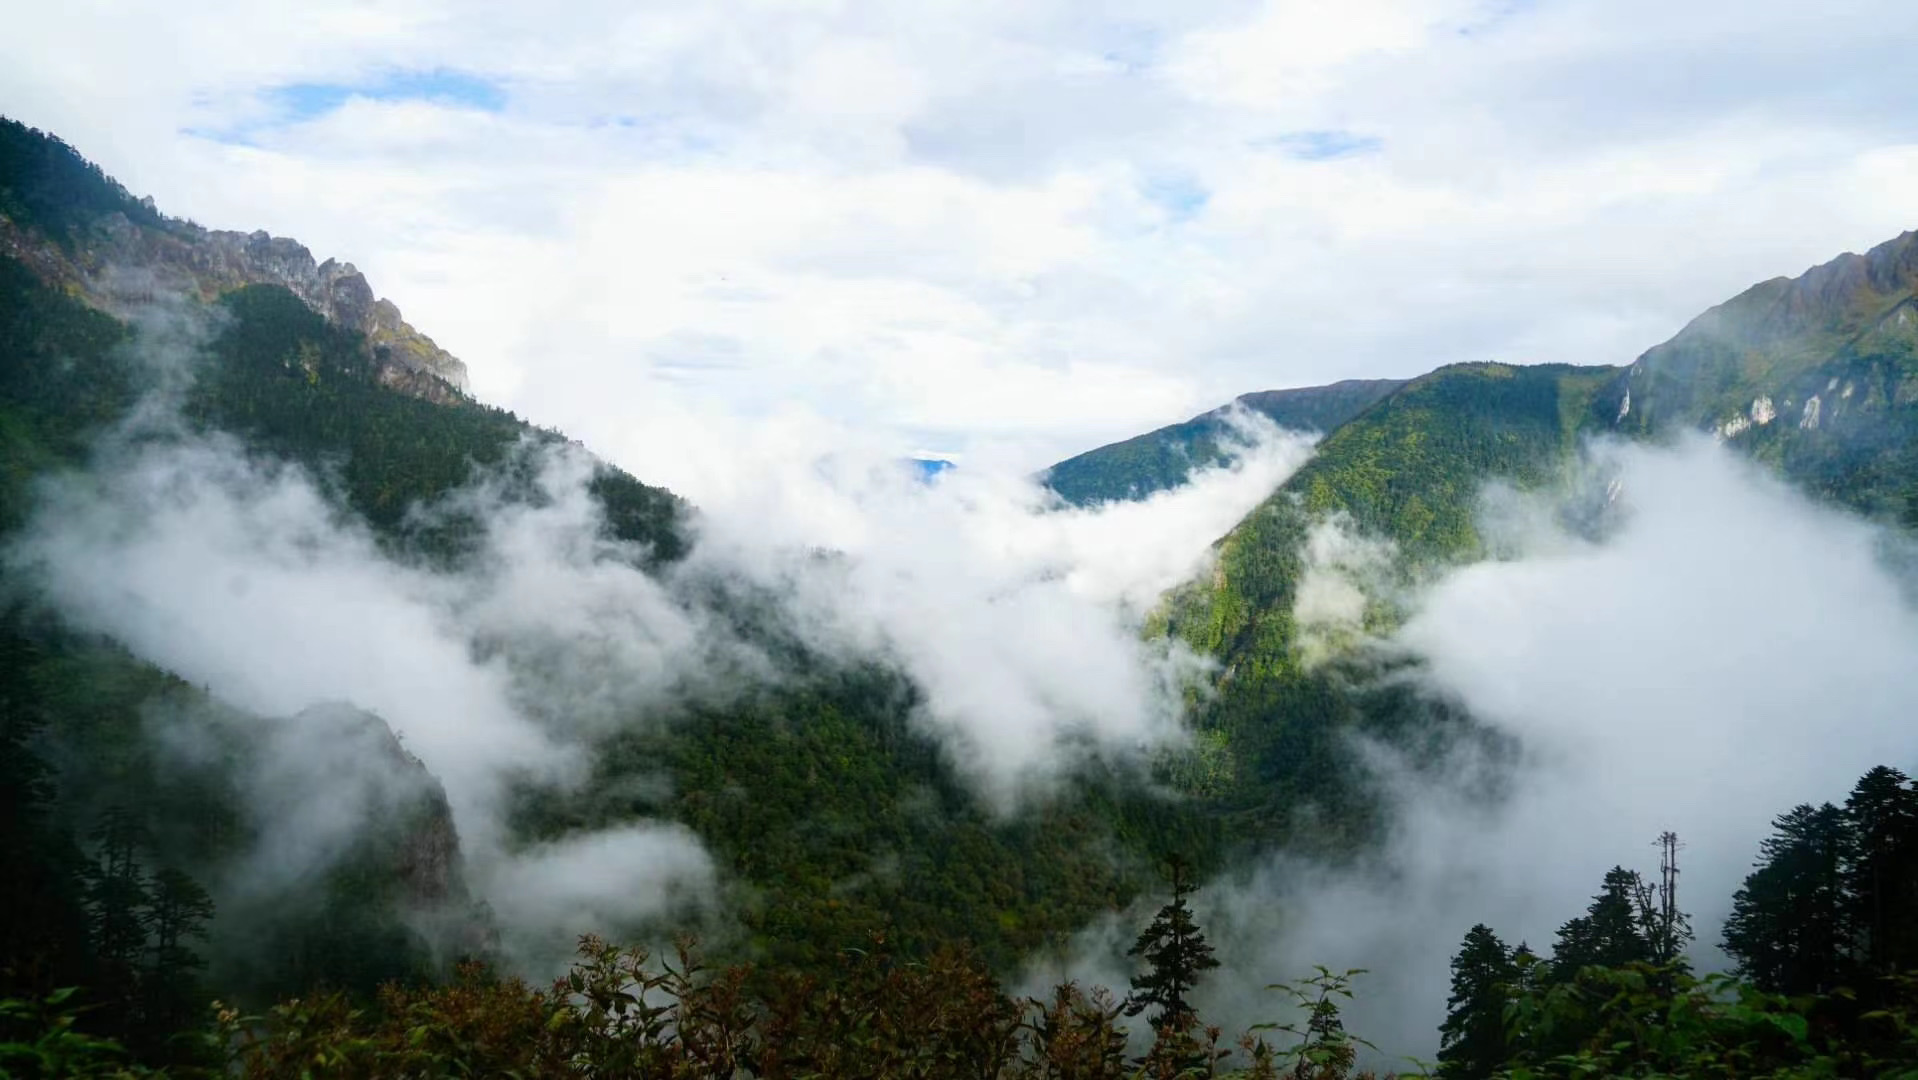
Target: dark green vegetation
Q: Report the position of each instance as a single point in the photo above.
(1830, 904)
(1408, 470)
(1827, 983)
(46, 186)
(1164, 458)
(1614, 999)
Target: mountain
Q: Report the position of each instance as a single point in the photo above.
(833, 815)
(1816, 375)
(1397, 487)
(834, 821)
(81, 232)
(1164, 458)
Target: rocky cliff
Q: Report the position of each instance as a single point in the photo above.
(80, 231)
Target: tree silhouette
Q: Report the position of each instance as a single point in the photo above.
(1787, 924)
(1882, 880)
(1175, 952)
(1608, 934)
(1472, 1039)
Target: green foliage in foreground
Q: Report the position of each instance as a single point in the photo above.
(623, 1013)
(1828, 987)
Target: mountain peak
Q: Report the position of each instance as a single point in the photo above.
(79, 230)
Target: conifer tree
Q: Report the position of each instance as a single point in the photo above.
(43, 931)
(179, 910)
(1608, 934)
(1472, 1040)
(117, 907)
(1787, 924)
(1882, 881)
(1176, 954)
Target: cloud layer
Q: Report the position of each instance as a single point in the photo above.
(1727, 650)
(1015, 228)
(1017, 618)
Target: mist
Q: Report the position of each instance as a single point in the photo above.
(1725, 650)
(1018, 619)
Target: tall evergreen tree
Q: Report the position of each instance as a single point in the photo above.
(43, 929)
(171, 995)
(118, 912)
(1787, 927)
(1608, 934)
(1472, 1041)
(1882, 881)
(1176, 954)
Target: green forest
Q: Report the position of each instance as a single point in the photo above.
(1826, 985)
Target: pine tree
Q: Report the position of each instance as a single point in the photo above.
(1472, 1040)
(1882, 881)
(117, 906)
(1608, 934)
(171, 994)
(43, 931)
(1787, 924)
(1176, 953)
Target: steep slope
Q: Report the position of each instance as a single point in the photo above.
(81, 232)
(1389, 494)
(1815, 375)
(1164, 458)
(833, 815)
(1408, 471)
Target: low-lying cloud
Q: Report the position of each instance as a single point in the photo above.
(1729, 648)
(1016, 617)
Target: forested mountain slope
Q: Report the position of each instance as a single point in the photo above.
(1161, 459)
(832, 815)
(1816, 376)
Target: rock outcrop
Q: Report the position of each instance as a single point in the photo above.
(118, 265)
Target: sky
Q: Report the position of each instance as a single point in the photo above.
(997, 230)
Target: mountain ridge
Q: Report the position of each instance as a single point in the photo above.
(82, 232)
(1136, 467)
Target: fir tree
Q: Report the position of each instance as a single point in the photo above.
(1882, 881)
(1472, 1039)
(1608, 934)
(117, 907)
(1787, 924)
(171, 997)
(1176, 953)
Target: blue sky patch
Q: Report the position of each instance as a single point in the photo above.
(305, 101)
(1325, 145)
(296, 103)
(1180, 195)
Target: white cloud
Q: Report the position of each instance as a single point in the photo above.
(1728, 650)
(932, 224)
